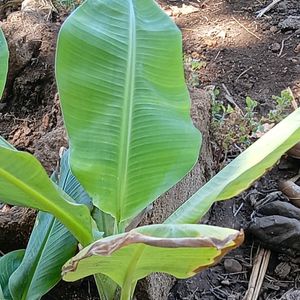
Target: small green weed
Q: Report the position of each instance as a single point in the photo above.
(66, 5)
(283, 105)
(233, 128)
(192, 67)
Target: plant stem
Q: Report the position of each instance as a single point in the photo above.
(100, 287)
(106, 287)
(126, 292)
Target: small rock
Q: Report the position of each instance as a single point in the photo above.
(273, 29)
(246, 85)
(283, 270)
(195, 55)
(275, 47)
(291, 23)
(232, 265)
(282, 7)
(297, 49)
(225, 282)
(291, 295)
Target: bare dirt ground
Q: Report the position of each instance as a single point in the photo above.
(242, 56)
(225, 46)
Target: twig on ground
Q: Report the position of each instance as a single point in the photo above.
(217, 55)
(244, 72)
(238, 210)
(259, 269)
(263, 270)
(230, 98)
(246, 28)
(267, 8)
(282, 45)
(281, 49)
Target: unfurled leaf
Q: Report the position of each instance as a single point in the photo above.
(3, 61)
(70, 184)
(8, 264)
(242, 171)
(24, 182)
(180, 250)
(125, 103)
(49, 247)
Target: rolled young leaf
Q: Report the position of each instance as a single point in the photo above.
(49, 247)
(8, 264)
(180, 250)
(24, 182)
(125, 103)
(3, 61)
(239, 174)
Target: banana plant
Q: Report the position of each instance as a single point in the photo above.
(4, 61)
(126, 110)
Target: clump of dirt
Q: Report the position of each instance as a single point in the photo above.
(30, 113)
(30, 83)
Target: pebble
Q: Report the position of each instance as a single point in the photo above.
(283, 269)
(225, 282)
(282, 7)
(232, 265)
(297, 49)
(275, 47)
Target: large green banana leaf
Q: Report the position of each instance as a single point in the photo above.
(3, 61)
(49, 247)
(125, 104)
(242, 171)
(24, 182)
(180, 250)
(8, 264)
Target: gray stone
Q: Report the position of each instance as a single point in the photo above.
(232, 265)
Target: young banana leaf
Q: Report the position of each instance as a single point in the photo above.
(180, 250)
(3, 61)
(242, 171)
(24, 182)
(125, 103)
(49, 247)
(8, 264)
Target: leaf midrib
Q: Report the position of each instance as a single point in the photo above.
(84, 236)
(37, 260)
(126, 124)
